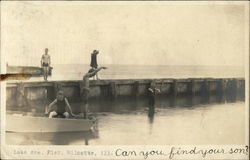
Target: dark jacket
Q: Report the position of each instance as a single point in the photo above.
(93, 62)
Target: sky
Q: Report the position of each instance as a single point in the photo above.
(151, 33)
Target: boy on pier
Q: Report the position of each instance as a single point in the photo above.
(45, 63)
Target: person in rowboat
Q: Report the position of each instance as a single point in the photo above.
(85, 89)
(62, 105)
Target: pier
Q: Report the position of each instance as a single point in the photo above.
(112, 89)
(31, 70)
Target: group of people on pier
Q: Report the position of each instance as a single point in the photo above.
(63, 108)
(46, 64)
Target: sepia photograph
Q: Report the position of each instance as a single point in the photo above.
(82, 73)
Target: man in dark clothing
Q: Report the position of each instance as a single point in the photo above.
(93, 62)
(152, 92)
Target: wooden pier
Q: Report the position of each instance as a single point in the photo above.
(30, 70)
(111, 89)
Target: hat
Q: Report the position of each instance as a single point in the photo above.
(95, 51)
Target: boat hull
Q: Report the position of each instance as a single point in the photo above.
(19, 123)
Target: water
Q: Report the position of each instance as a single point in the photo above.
(76, 72)
(183, 120)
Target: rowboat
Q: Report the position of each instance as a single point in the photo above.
(26, 123)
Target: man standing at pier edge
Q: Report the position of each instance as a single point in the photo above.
(93, 62)
(45, 64)
(152, 92)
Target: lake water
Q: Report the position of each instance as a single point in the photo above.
(181, 120)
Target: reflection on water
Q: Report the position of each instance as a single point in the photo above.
(212, 119)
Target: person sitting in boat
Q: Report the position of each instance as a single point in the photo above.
(62, 105)
(85, 89)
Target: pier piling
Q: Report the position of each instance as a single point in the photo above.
(113, 90)
(136, 89)
(20, 95)
(205, 87)
(175, 88)
(191, 87)
(57, 87)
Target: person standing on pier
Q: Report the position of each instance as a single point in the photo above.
(93, 62)
(45, 64)
(85, 89)
(152, 92)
